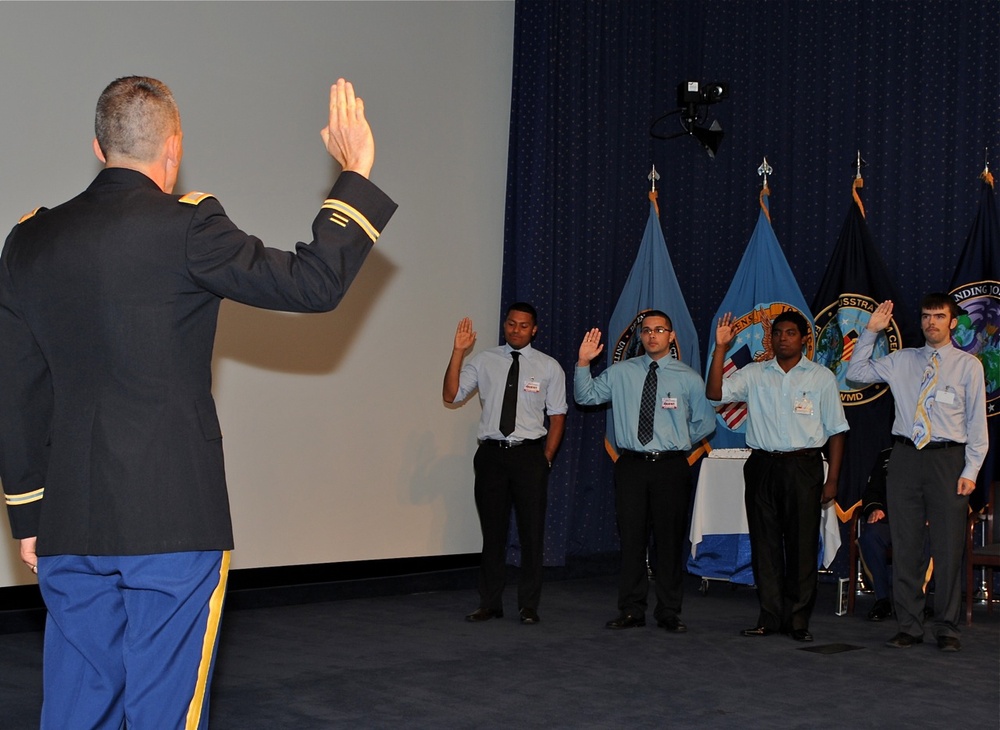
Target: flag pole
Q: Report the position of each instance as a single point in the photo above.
(859, 182)
(765, 170)
(653, 176)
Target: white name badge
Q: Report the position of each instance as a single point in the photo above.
(945, 396)
(532, 386)
(669, 403)
(803, 406)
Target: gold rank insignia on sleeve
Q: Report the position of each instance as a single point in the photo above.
(344, 213)
(29, 216)
(16, 500)
(194, 197)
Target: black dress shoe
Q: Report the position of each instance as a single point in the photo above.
(529, 616)
(949, 643)
(903, 640)
(757, 631)
(626, 621)
(881, 610)
(484, 614)
(672, 624)
(801, 635)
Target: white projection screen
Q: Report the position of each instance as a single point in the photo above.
(338, 445)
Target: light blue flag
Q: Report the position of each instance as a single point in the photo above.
(651, 284)
(763, 287)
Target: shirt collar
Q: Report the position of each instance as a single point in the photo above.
(660, 364)
(942, 351)
(526, 350)
(773, 363)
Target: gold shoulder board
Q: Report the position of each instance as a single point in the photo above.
(28, 216)
(194, 197)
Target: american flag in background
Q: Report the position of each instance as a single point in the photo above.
(734, 414)
(850, 339)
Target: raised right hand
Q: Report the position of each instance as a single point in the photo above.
(724, 332)
(591, 346)
(347, 136)
(880, 317)
(465, 336)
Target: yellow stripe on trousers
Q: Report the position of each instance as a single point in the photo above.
(208, 647)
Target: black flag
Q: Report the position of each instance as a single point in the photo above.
(976, 288)
(855, 282)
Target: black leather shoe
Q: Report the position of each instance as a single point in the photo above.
(626, 621)
(757, 631)
(903, 640)
(881, 610)
(949, 643)
(484, 614)
(801, 635)
(673, 625)
(529, 616)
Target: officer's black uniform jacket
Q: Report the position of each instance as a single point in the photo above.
(109, 439)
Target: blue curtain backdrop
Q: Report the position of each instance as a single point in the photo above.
(914, 85)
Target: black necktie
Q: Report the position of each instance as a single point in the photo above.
(508, 411)
(647, 406)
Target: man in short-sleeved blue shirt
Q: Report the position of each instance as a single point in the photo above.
(515, 450)
(655, 425)
(793, 410)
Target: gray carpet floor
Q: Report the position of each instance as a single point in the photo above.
(413, 662)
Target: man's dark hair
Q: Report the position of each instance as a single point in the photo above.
(135, 114)
(523, 307)
(940, 300)
(800, 322)
(657, 313)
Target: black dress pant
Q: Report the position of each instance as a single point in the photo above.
(783, 512)
(652, 495)
(515, 476)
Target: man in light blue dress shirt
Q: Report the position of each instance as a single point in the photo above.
(941, 442)
(512, 467)
(793, 410)
(652, 478)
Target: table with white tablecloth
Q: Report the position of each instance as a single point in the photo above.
(720, 543)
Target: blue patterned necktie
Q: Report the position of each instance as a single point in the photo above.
(647, 406)
(922, 421)
(508, 409)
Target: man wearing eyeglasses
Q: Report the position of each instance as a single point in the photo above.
(660, 411)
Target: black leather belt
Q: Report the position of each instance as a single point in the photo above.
(931, 445)
(502, 444)
(797, 454)
(653, 455)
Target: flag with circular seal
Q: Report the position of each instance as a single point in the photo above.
(855, 282)
(839, 325)
(651, 284)
(976, 287)
(762, 288)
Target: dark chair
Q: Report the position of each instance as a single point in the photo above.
(853, 559)
(984, 552)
